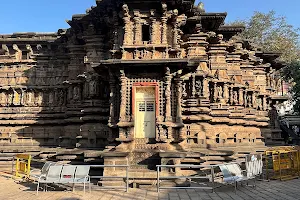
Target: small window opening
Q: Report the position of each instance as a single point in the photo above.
(218, 138)
(146, 32)
(24, 55)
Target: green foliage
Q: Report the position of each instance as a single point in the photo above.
(273, 34)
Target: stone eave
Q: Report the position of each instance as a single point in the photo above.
(135, 62)
(209, 21)
(279, 97)
(28, 36)
(229, 31)
(235, 29)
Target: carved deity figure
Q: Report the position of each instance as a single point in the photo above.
(61, 97)
(235, 97)
(199, 87)
(76, 93)
(30, 51)
(220, 91)
(16, 98)
(92, 87)
(137, 54)
(3, 99)
(279, 86)
(5, 50)
(39, 99)
(51, 98)
(259, 103)
(29, 97)
(18, 52)
(10, 98)
(249, 99)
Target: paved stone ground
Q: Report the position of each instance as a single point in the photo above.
(290, 190)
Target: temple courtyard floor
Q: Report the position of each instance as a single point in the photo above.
(14, 190)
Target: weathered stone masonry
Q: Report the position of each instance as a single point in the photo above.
(199, 85)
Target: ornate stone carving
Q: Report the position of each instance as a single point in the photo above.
(198, 87)
(168, 78)
(5, 50)
(123, 81)
(235, 97)
(18, 52)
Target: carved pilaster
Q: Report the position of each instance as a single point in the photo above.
(226, 93)
(164, 30)
(245, 99)
(153, 27)
(215, 92)
(123, 81)
(175, 34)
(137, 28)
(265, 106)
(241, 97)
(168, 79)
(254, 100)
(112, 85)
(128, 40)
(205, 88)
(179, 100)
(193, 85)
(231, 95)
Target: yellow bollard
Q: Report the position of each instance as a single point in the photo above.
(22, 166)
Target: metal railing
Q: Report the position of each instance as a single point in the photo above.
(212, 173)
(113, 177)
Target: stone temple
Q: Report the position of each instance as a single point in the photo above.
(157, 82)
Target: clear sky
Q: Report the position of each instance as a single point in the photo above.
(50, 15)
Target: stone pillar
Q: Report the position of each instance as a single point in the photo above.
(215, 92)
(137, 28)
(168, 80)
(241, 96)
(127, 31)
(153, 29)
(226, 93)
(253, 100)
(245, 99)
(205, 88)
(193, 85)
(164, 30)
(265, 106)
(123, 80)
(179, 99)
(175, 33)
(112, 84)
(231, 96)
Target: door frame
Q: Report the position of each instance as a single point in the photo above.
(145, 84)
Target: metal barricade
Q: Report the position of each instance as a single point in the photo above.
(22, 165)
(282, 163)
(208, 167)
(113, 177)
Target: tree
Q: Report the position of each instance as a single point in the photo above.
(273, 34)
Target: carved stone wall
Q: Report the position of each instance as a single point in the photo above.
(74, 88)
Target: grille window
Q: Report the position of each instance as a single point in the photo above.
(142, 107)
(150, 107)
